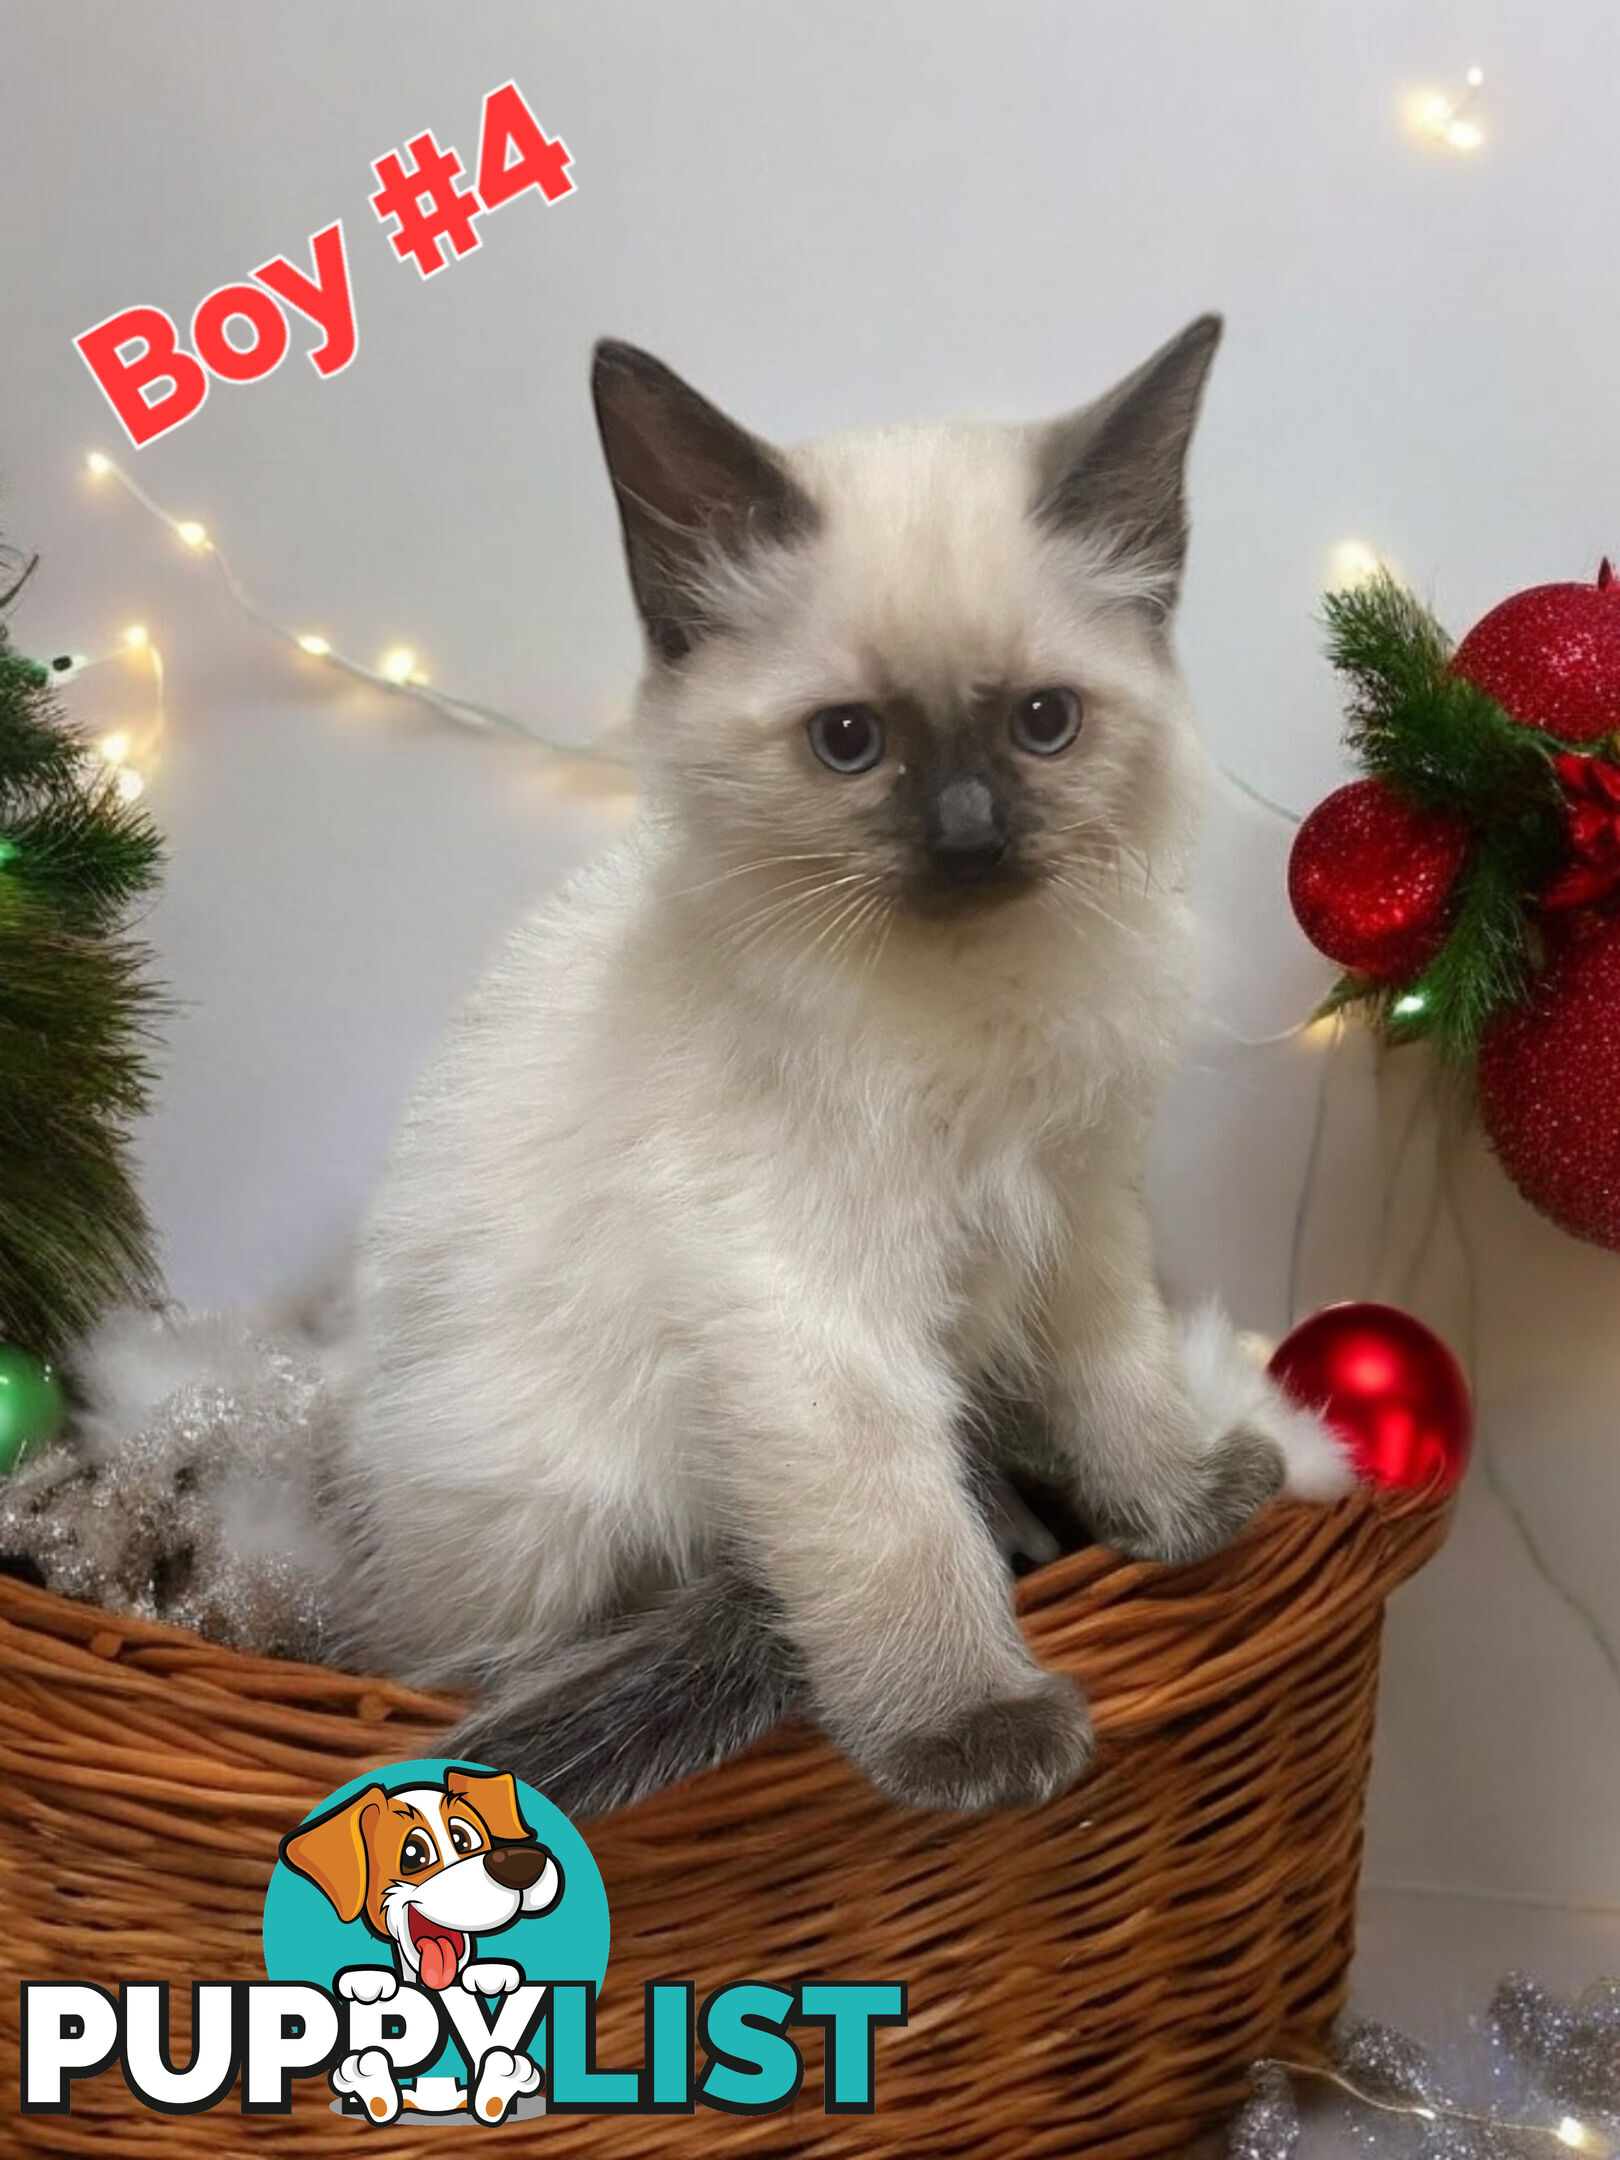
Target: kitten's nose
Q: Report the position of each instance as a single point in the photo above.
(516, 1867)
(968, 839)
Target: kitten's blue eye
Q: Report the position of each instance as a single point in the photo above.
(846, 738)
(1046, 722)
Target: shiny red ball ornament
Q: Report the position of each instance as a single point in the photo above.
(1551, 657)
(1370, 879)
(1389, 1388)
(1549, 1084)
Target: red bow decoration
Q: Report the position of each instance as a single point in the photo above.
(1592, 808)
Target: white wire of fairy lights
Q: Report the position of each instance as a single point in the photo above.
(397, 672)
(1568, 2134)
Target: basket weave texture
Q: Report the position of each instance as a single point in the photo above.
(1091, 1978)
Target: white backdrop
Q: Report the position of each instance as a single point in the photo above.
(832, 214)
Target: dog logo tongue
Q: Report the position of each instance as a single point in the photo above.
(439, 1949)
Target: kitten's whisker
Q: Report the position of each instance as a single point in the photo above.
(1087, 900)
(888, 910)
(870, 907)
(850, 911)
(790, 889)
(765, 862)
(790, 913)
(787, 899)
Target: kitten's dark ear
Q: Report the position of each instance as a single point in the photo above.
(690, 483)
(1116, 468)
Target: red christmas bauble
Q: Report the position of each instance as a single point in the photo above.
(1549, 1084)
(1551, 657)
(1370, 879)
(1389, 1388)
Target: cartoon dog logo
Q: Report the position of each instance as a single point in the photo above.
(430, 1869)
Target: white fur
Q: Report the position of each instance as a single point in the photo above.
(709, 1216)
(670, 1169)
(1234, 1389)
(737, 1175)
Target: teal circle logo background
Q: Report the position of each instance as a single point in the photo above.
(305, 1940)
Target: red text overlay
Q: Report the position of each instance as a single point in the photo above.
(242, 332)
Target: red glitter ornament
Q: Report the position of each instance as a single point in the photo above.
(1549, 1084)
(1389, 1388)
(1370, 879)
(1551, 657)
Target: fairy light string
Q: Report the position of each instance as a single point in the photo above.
(397, 673)
(1568, 2134)
(128, 750)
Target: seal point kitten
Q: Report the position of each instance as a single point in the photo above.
(781, 1187)
(784, 1178)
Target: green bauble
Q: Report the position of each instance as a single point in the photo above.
(32, 1406)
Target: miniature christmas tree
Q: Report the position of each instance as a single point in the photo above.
(76, 1007)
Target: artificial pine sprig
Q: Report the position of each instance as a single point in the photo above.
(1438, 741)
(76, 1013)
(1431, 735)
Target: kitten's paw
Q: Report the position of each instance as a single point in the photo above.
(1224, 1490)
(1231, 1389)
(1015, 1752)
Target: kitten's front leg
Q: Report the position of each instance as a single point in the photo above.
(1148, 1472)
(852, 1498)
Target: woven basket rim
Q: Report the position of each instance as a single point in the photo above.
(1393, 1531)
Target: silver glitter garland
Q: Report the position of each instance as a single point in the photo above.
(1266, 2127)
(1571, 2049)
(1386, 2064)
(1551, 2086)
(195, 1518)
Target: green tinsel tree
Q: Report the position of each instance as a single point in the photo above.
(76, 1008)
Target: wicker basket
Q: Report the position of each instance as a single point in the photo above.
(1090, 1979)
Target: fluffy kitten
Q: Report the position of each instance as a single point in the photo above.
(786, 1171)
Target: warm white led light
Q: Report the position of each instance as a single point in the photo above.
(317, 647)
(131, 787)
(98, 463)
(114, 749)
(193, 534)
(135, 636)
(1351, 563)
(1448, 120)
(398, 664)
(1406, 1008)
(1574, 2133)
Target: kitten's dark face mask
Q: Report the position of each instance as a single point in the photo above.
(963, 821)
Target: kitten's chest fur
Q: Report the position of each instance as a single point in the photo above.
(963, 1111)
